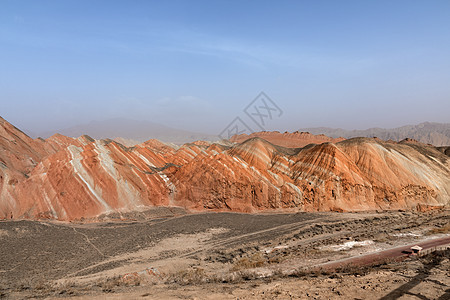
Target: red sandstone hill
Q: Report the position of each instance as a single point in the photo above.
(64, 178)
(290, 140)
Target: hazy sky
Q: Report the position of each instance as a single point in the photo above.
(197, 64)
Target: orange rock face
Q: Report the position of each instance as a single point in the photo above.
(63, 178)
(19, 155)
(287, 139)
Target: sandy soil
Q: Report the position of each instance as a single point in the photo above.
(171, 254)
(425, 278)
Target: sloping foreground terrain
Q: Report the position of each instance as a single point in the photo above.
(65, 178)
(164, 253)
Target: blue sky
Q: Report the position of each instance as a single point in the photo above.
(197, 64)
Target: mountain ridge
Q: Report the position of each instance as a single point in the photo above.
(67, 179)
(437, 134)
(131, 131)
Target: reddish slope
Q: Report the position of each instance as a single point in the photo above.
(90, 180)
(19, 155)
(359, 174)
(74, 178)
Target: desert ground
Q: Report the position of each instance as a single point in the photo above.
(168, 253)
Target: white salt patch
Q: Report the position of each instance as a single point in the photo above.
(270, 250)
(406, 234)
(350, 245)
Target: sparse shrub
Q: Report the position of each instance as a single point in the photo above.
(254, 261)
(276, 258)
(23, 286)
(440, 230)
(3, 291)
(133, 281)
(42, 285)
(278, 273)
(300, 272)
(239, 276)
(248, 275)
(66, 288)
(435, 257)
(352, 269)
(382, 239)
(229, 278)
(109, 284)
(189, 276)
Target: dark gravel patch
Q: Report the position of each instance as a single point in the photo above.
(32, 250)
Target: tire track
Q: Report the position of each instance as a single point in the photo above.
(89, 241)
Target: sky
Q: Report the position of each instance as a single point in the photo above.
(196, 65)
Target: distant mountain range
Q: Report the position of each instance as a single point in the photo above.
(437, 134)
(132, 131)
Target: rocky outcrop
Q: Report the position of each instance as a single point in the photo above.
(64, 178)
(445, 150)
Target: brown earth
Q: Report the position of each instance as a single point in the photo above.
(220, 255)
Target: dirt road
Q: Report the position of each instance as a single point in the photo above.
(397, 253)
